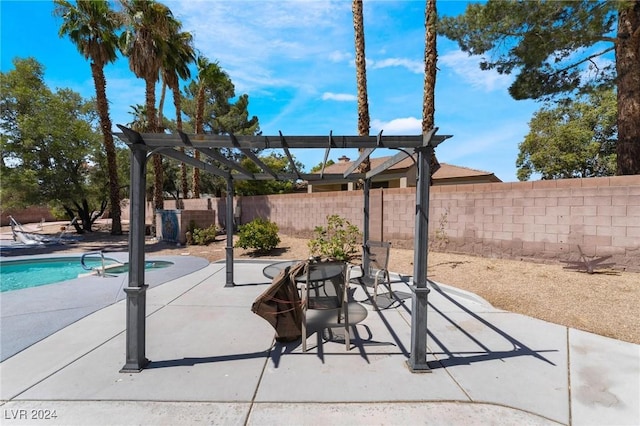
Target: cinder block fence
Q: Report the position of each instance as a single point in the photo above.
(544, 220)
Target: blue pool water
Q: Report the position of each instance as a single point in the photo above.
(20, 274)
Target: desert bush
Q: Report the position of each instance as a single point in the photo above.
(440, 238)
(203, 236)
(338, 240)
(259, 234)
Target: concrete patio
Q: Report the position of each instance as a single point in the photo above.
(215, 362)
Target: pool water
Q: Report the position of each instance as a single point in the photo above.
(19, 274)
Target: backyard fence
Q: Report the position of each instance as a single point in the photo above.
(543, 220)
(32, 214)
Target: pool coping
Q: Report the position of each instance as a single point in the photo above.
(31, 314)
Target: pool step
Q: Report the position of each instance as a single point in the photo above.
(99, 270)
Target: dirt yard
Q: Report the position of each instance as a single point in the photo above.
(606, 302)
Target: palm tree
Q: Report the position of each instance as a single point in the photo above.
(149, 24)
(430, 60)
(209, 75)
(175, 68)
(361, 79)
(92, 25)
(139, 121)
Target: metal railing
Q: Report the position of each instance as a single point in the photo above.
(100, 271)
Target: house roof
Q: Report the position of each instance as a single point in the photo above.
(449, 171)
(446, 171)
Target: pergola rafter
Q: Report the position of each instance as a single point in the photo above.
(363, 156)
(326, 154)
(253, 157)
(285, 147)
(387, 164)
(225, 161)
(180, 156)
(144, 145)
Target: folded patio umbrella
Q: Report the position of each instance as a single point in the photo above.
(280, 304)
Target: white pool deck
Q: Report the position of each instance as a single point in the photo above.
(215, 362)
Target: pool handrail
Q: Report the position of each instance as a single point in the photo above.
(101, 272)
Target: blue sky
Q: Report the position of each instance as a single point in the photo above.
(295, 60)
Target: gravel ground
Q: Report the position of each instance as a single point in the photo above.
(606, 302)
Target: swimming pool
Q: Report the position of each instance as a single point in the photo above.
(19, 274)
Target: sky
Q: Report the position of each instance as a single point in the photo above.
(295, 60)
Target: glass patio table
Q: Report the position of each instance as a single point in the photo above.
(319, 271)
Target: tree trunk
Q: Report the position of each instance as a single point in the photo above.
(430, 70)
(112, 166)
(158, 193)
(361, 79)
(85, 214)
(628, 70)
(163, 93)
(430, 59)
(177, 102)
(199, 131)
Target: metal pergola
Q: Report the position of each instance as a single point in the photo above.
(143, 145)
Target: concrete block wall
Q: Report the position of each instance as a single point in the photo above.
(299, 214)
(33, 214)
(201, 218)
(398, 216)
(200, 204)
(544, 220)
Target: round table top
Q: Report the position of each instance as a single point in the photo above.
(319, 271)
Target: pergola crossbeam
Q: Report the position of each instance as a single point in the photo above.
(164, 140)
(133, 136)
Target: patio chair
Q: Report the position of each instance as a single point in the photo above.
(26, 238)
(32, 238)
(375, 270)
(279, 304)
(325, 305)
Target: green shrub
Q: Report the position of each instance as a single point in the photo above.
(337, 241)
(202, 237)
(259, 234)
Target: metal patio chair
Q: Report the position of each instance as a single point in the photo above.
(376, 271)
(325, 305)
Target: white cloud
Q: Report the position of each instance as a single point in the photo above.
(341, 97)
(256, 40)
(467, 68)
(398, 126)
(340, 56)
(416, 67)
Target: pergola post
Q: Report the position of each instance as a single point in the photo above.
(136, 290)
(418, 359)
(229, 247)
(366, 232)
